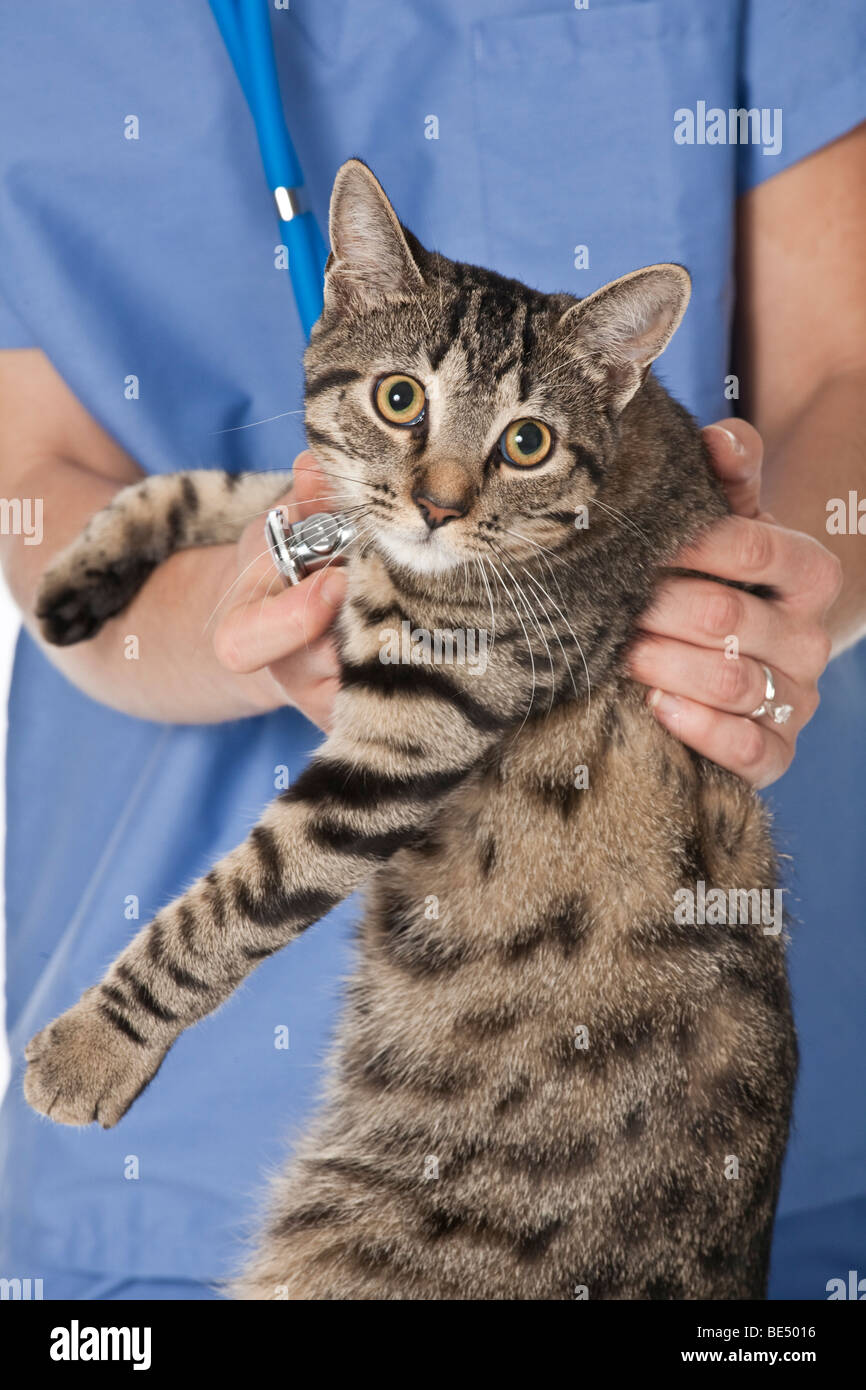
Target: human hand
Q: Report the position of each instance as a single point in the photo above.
(279, 634)
(698, 692)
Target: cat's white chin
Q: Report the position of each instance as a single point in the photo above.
(427, 553)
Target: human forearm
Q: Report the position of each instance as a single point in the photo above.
(170, 671)
(820, 454)
(799, 337)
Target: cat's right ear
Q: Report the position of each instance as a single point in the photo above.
(618, 331)
(370, 259)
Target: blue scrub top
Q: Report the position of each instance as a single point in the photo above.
(510, 133)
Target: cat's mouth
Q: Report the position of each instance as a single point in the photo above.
(422, 550)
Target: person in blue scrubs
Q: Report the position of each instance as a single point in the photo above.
(562, 145)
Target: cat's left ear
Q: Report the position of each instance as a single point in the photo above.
(370, 259)
(623, 327)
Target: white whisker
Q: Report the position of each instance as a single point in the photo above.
(252, 424)
(614, 511)
(480, 563)
(575, 639)
(507, 593)
(522, 596)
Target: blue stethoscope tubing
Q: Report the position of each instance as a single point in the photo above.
(245, 26)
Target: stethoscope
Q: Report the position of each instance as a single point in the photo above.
(245, 26)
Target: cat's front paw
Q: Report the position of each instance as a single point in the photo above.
(83, 1069)
(82, 591)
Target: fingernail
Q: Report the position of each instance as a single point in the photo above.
(665, 707)
(736, 446)
(334, 589)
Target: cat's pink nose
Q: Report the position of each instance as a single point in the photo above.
(437, 513)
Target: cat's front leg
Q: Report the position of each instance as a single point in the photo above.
(102, 570)
(402, 741)
(92, 1062)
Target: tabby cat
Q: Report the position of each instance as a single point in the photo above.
(547, 1086)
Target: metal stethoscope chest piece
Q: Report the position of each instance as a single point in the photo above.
(299, 549)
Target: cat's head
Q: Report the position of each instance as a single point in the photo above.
(470, 417)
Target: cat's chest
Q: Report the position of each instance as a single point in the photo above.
(571, 808)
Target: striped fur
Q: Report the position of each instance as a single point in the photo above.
(543, 1084)
(104, 568)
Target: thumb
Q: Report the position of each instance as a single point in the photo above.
(737, 453)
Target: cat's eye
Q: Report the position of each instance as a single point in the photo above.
(401, 400)
(525, 443)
